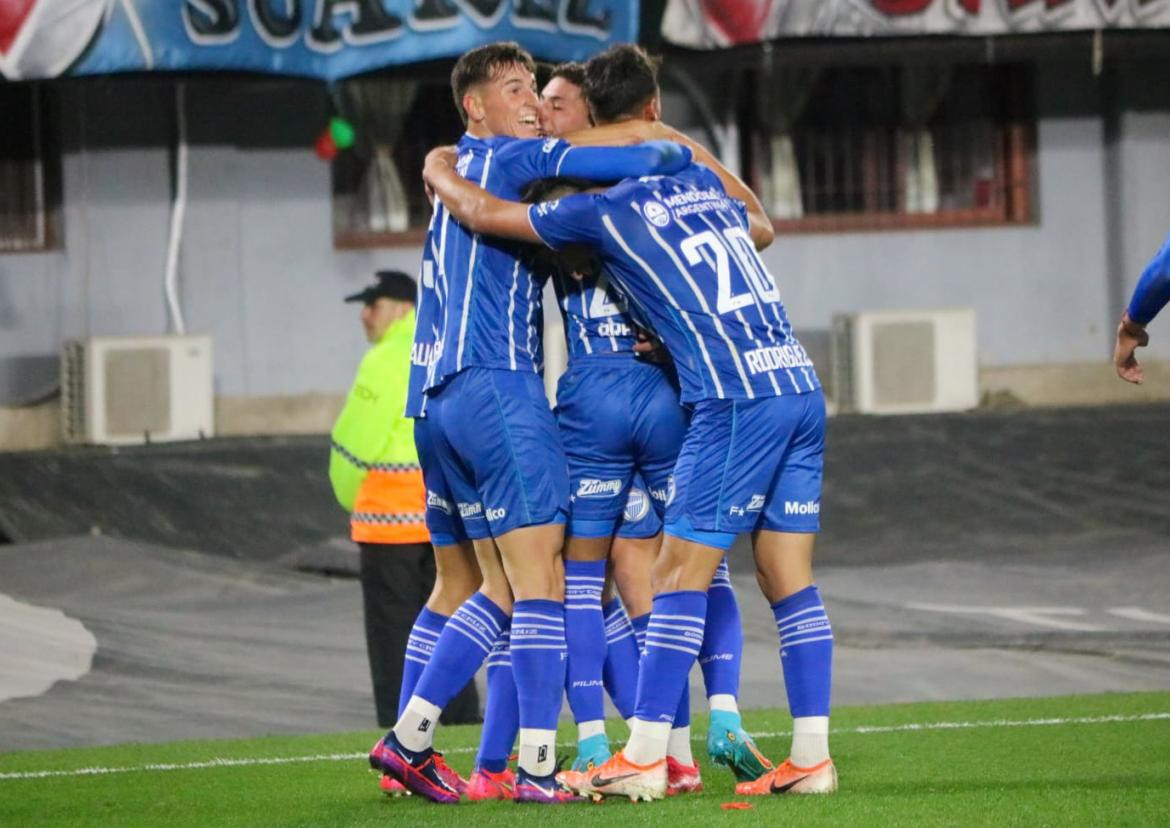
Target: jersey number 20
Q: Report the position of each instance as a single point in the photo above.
(732, 243)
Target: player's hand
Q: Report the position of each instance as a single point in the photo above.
(438, 160)
(650, 348)
(1130, 337)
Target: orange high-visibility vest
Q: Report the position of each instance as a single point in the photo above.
(373, 465)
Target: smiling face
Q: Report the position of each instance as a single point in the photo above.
(505, 104)
(563, 108)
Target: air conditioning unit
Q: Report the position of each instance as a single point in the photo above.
(127, 390)
(905, 362)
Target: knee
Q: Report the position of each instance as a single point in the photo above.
(777, 586)
(667, 575)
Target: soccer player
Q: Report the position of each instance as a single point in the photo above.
(1149, 296)
(492, 434)
(680, 251)
(621, 418)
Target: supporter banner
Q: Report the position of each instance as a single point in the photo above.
(713, 24)
(319, 38)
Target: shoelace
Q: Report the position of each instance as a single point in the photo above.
(443, 768)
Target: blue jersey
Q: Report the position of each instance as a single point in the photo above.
(488, 300)
(678, 247)
(426, 325)
(595, 316)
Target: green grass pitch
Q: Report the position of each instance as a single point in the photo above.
(1079, 760)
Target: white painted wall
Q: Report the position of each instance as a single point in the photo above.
(259, 273)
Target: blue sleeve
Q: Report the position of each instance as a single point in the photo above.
(526, 160)
(1153, 289)
(574, 219)
(616, 163)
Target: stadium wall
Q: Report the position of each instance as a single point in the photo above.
(259, 273)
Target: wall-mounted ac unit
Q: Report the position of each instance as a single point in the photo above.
(905, 362)
(126, 390)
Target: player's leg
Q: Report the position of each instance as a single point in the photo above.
(784, 551)
(674, 634)
(585, 561)
(457, 574)
(465, 641)
(592, 417)
(728, 743)
(521, 476)
(731, 452)
(635, 546)
(501, 719)
(457, 577)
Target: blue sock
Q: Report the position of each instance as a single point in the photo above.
(538, 661)
(806, 651)
(620, 673)
(722, 638)
(682, 716)
(585, 637)
(640, 624)
(423, 637)
(673, 638)
(465, 642)
(501, 715)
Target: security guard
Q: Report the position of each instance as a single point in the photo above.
(375, 474)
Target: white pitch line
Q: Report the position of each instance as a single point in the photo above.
(863, 730)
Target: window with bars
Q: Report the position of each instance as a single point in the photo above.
(859, 148)
(29, 172)
(378, 197)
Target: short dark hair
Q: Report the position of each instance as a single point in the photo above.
(619, 81)
(571, 71)
(483, 64)
(547, 189)
(544, 73)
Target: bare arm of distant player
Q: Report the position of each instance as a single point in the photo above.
(634, 131)
(1150, 296)
(471, 205)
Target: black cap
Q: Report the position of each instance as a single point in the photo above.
(391, 284)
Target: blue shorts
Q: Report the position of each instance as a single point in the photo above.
(617, 415)
(639, 519)
(442, 514)
(499, 451)
(747, 465)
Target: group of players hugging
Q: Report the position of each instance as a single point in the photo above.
(689, 414)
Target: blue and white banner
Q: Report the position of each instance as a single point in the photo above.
(327, 39)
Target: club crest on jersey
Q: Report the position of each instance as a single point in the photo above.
(656, 214)
(637, 506)
(588, 487)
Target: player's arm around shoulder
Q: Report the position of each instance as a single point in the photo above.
(471, 205)
(759, 223)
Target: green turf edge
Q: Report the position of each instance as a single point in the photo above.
(1013, 775)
